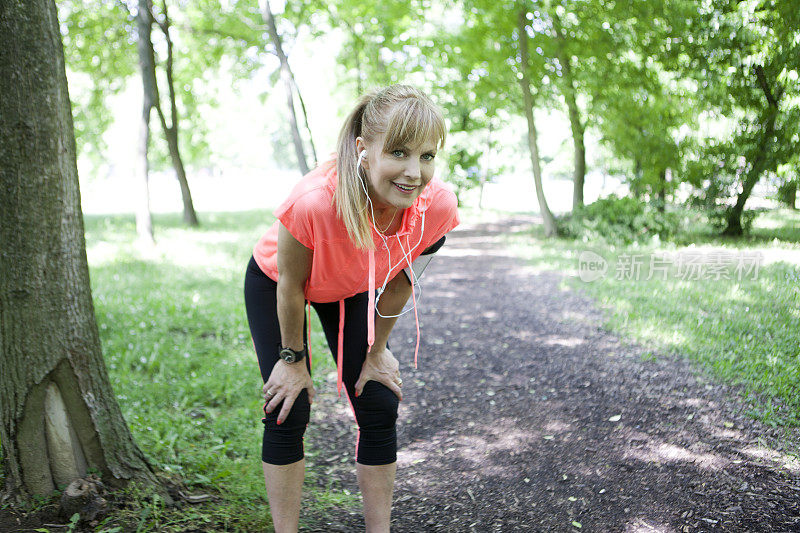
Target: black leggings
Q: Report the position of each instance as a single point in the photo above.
(375, 409)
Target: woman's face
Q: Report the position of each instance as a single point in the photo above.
(398, 176)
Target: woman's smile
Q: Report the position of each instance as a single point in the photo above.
(403, 188)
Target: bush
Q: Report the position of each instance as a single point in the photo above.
(619, 221)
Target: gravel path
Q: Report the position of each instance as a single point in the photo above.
(525, 415)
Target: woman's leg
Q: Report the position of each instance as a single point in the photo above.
(282, 446)
(284, 492)
(375, 411)
(377, 485)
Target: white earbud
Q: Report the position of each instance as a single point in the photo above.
(363, 153)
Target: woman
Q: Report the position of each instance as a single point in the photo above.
(350, 229)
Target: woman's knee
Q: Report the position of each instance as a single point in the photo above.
(376, 407)
(283, 444)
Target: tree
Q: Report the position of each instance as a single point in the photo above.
(528, 106)
(743, 57)
(481, 61)
(288, 79)
(58, 414)
(171, 131)
(144, 47)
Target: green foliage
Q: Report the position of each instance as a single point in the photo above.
(620, 221)
(100, 49)
(743, 60)
(464, 171)
(97, 45)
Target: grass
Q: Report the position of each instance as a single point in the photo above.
(179, 354)
(743, 330)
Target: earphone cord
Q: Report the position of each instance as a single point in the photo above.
(406, 255)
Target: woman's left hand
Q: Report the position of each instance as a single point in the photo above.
(381, 366)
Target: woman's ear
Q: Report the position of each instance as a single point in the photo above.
(361, 147)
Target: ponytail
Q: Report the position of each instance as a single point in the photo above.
(349, 197)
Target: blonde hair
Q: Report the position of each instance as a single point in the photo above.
(408, 117)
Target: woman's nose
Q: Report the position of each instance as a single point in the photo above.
(412, 170)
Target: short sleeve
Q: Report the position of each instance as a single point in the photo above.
(298, 214)
(442, 215)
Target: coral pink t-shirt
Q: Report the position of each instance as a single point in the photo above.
(340, 270)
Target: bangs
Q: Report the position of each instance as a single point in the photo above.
(413, 122)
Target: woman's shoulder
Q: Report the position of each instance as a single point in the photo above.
(313, 191)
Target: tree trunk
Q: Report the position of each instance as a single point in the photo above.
(661, 193)
(760, 162)
(58, 413)
(787, 194)
(547, 216)
(171, 132)
(305, 121)
(286, 76)
(144, 221)
(576, 124)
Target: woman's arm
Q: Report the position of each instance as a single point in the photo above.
(392, 301)
(380, 364)
(294, 267)
(287, 380)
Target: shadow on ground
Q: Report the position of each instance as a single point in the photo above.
(525, 415)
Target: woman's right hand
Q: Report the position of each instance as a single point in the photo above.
(284, 384)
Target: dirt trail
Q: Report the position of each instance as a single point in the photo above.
(505, 425)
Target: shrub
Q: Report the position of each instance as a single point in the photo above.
(619, 221)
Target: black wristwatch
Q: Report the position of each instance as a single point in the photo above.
(290, 356)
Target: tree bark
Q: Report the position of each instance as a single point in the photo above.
(144, 220)
(58, 413)
(576, 124)
(171, 132)
(547, 215)
(286, 76)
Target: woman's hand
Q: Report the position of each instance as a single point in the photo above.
(381, 366)
(284, 384)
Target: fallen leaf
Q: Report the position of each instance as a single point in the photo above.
(615, 418)
(572, 499)
(577, 524)
(549, 437)
(728, 424)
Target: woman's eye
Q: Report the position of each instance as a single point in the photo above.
(428, 157)
(398, 153)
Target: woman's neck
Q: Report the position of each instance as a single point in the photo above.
(386, 219)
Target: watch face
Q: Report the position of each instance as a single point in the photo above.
(288, 356)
